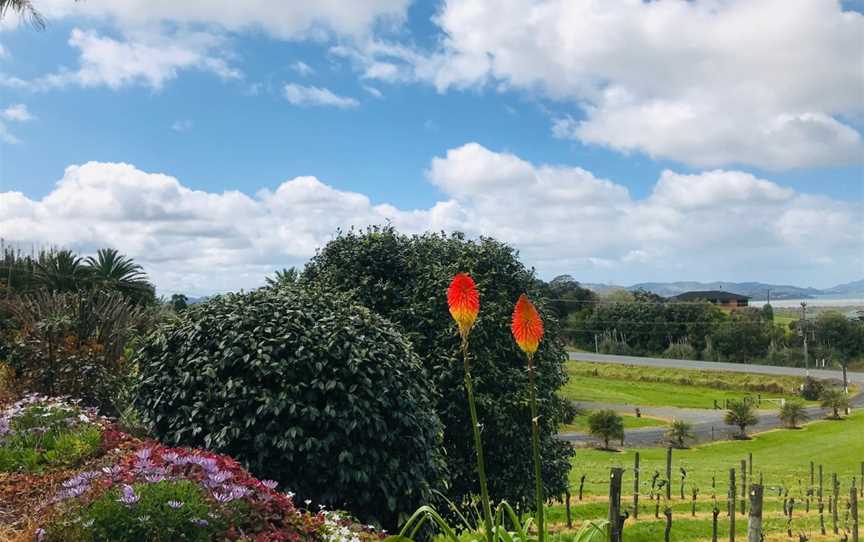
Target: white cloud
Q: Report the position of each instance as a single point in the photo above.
(709, 83)
(147, 58)
(373, 91)
(284, 20)
(17, 113)
(182, 125)
(13, 113)
(6, 136)
(717, 224)
(316, 96)
(302, 68)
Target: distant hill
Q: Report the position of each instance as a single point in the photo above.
(855, 288)
(756, 290)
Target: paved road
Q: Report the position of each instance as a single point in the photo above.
(707, 424)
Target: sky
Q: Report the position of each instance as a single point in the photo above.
(618, 141)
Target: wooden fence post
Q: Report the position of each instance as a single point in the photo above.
(581, 486)
(743, 487)
(636, 486)
(667, 533)
(820, 484)
(693, 502)
(754, 527)
(853, 510)
(789, 512)
(835, 494)
(567, 506)
(715, 511)
(750, 464)
(616, 520)
(683, 478)
(669, 473)
(822, 517)
(733, 496)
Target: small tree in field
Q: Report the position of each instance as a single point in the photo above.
(606, 425)
(792, 413)
(835, 399)
(741, 415)
(679, 433)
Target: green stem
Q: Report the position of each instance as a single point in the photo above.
(535, 445)
(478, 445)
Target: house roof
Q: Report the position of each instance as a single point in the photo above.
(710, 295)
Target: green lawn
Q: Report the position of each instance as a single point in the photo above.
(580, 423)
(781, 456)
(649, 386)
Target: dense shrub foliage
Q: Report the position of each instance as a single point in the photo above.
(404, 278)
(304, 387)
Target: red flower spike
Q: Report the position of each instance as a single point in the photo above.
(527, 327)
(464, 302)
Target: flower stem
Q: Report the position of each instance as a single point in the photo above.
(478, 445)
(535, 445)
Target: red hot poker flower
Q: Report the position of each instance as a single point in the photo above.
(464, 302)
(527, 327)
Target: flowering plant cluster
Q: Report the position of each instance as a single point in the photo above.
(39, 431)
(160, 493)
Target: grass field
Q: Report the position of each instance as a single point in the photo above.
(782, 457)
(632, 385)
(580, 423)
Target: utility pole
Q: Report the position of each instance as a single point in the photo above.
(804, 334)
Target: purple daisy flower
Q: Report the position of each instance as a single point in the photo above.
(128, 495)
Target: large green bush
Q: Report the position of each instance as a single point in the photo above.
(305, 388)
(405, 279)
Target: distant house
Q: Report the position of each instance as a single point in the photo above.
(726, 300)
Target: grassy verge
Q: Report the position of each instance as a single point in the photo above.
(686, 388)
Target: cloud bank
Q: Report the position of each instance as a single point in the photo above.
(772, 84)
(717, 224)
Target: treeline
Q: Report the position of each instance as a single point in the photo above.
(643, 323)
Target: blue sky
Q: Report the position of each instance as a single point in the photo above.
(734, 158)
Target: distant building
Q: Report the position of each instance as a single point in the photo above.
(726, 300)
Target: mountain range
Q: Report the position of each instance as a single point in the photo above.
(755, 290)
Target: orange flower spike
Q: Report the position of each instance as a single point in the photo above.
(527, 327)
(464, 302)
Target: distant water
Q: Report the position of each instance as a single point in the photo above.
(815, 302)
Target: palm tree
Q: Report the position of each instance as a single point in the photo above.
(25, 10)
(792, 413)
(60, 271)
(283, 278)
(835, 399)
(741, 415)
(679, 433)
(115, 271)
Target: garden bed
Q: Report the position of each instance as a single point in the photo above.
(59, 485)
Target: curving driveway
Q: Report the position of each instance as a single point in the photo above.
(707, 424)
